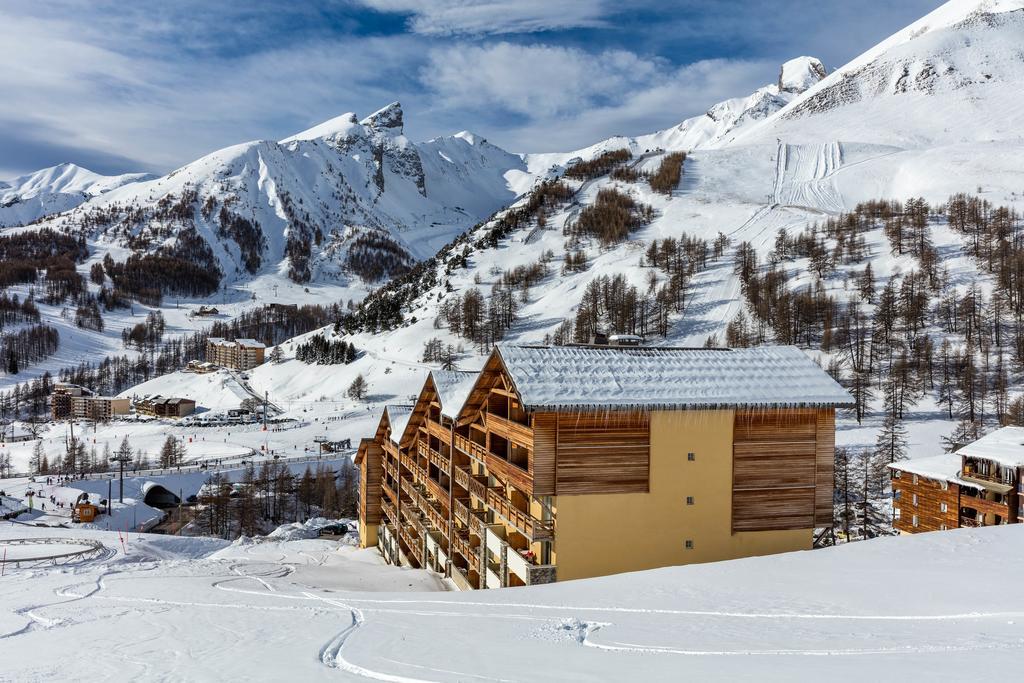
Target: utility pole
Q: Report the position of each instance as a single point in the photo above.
(266, 395)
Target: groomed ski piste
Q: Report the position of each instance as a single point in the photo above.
(168, 608)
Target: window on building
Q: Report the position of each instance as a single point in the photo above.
(915, 478)
(896, 474)
(689, 500)
(943, 507)
(689, 544)
(913, 520)
(691, 457)
(897, 494)
(942, 527)
(914, 499)
(895, 513)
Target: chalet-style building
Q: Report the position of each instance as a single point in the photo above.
(240, 354)
(161, 406)
(978, 485)
(572, 462)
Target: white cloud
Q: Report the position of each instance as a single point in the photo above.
(448, 17)
(535, 80)
(569, 98)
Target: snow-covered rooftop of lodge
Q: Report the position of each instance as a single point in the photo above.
(398, 416)
(578, 377)
(1004, 446)
(453, 387)
(945, 467)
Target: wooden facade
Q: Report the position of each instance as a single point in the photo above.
(971, 492)
(473, 492)
(783, 468)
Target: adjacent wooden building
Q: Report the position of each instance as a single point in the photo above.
(978, 485)
(571, 462)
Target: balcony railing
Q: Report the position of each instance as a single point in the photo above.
(521, 434)
(471, 448)
(461, 545)
(477, 525)
(995, 478)
(390, 510)
(388, 491)
(442, 462)
(523, 522)
(436, 490)
(408, 461)
(460, 511)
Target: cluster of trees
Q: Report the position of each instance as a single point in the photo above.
(172, 453)
(13, 310)
(246, 233)
(374, 256)
(25, 255)
(274, 323)
(319, 350)
(482, 320)
(26, 346)
(88, 315)
(914, 334)
(600, 165)
(669, 172)
(436, 351)
(383, 308)
(147, 334)
(611, 218)
(187, 268)
(271, 495)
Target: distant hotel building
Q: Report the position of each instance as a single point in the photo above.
(240, 354)
(978, 485)
(72, 401)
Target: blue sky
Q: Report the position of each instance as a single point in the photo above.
(146, 86)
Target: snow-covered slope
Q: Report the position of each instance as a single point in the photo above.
(951, 77)
(886, 609)
(52, 190)
(717, 126)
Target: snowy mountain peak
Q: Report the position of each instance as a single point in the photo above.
(51, 190)
(387, 118)
(797, 75)
(339, 126)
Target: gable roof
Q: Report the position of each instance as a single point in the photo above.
(580, 378)
(397, 417)
(1004, 446)
(453, 387)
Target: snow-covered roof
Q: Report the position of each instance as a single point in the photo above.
(251, 343)
(398, 417)
(616, 377)
(453, 387)
(945, 467)
(1004, 446)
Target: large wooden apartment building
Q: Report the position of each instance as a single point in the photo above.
(239, 354)
(981, 484)
(571, 462)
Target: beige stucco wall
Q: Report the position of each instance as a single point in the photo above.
(612, 533)
(367, 535)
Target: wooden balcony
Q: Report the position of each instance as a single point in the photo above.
(389, 492)
(390, 510)
(528, 526)
(440, 461)
(408, 461)
(513, 431)
(985, 506)
(409, 488)
(471, 448)
(460, 511)
(461, 545)
(438, 430)
(510, 473)
(436, 490)
(474, 483)
(390, 468)
(477, 525)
